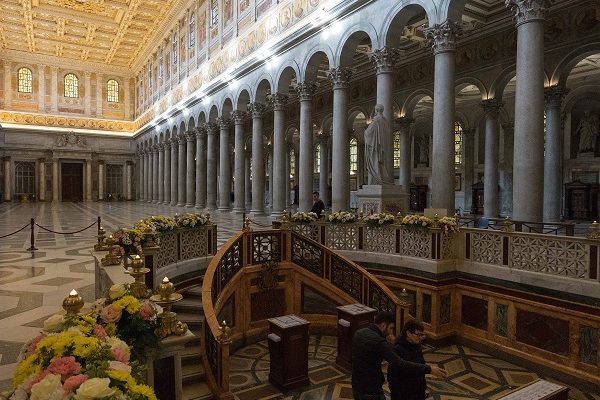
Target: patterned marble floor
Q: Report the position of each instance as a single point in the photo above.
(472, 375)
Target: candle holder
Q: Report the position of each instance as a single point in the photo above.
(166, 297)
(101, 245)
(224, 333)
(73, 303)
(506, 225)
(246, 225)
(594, 232)
(149, 238)
(114, 253)
(138, 271)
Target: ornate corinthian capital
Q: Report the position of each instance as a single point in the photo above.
(223, 122)
(239, 117)
(385, 58)
(200, 132)
(554, 96)
(340, 77)
(491, 106)
(404, 123)
(256, 109)
(443, 36)
(190, 135)
(278, 101)
(528, 10)
(306, 90)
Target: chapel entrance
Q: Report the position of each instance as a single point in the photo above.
(72, 181)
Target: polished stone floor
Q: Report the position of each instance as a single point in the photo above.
(33, 284)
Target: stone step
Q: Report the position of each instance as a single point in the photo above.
(193, 292)
(193, 372)
(194, 321)
(192, 305)
(197, 391)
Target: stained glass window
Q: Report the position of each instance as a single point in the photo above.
(192, 33)
(25, 80)
(318, 158)
(458, 143)
(71, 86)
(396, 149)
(112, 89)
(353, 156)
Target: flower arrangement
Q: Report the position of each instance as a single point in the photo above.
(78, 359)
(379, 219)
(191, 220)
(448, 224)
(305, 217)
(129, 240)
(416, 221)
(159, 223)
(133, 320)
(342, 217)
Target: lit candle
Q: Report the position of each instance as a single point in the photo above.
(165, 280)
(73, 293)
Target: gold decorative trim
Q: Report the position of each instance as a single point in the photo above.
(66, 122)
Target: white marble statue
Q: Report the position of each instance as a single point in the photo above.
(375, 149)
(588, 132)
(423, 142)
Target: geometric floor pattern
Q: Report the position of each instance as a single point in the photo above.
(471, 374)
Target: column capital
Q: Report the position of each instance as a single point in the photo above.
(100, 162)
(508, 128)
(385, 59)
(239, 117)
(340, 77)
(154, 149)
(491, 106)
(443, 36)
(200, 132)
(223, 122)
(256, 109)
(278, 101)
(181, 139)
(161, 146)
(167, 144)
(211, 128)
(306, 90)
(404, 123)
(554, 96)
(528, 10)
(190, 135)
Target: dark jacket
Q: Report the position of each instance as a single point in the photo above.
(369, 349)
(318, 207)
(405, 385)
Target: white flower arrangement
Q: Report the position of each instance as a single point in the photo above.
(416, 221)
(448, 224)
(191, 220)
(342, 217)
(379, 219)
(305, 217)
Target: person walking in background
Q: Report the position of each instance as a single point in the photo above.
(318, 205)
(404, 384)
(369, 348)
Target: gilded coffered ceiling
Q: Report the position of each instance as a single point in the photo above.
(111, 32)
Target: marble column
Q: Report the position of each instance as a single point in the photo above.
(53, 89)
(201, 167)
(181, 176)
(305, 165)
(340, 179)
(140, 183)
(506, 177)
(54, 179)
(385, 59)
(444, 46)
(42, 180)
(42, 88)
(469, 154)
(490, 183)
(323, 175)
(552, 158)
(224, 165)
(101, 180)
(211, 166)
(155, 168)
(148, 174)
(239, 188)
(248, 182)
(7, 176)
(88, 180)
(161, 173)
(528, 174)
(404, 124)
(167, 173)
(129, 181)
(174, 170)
(190, 183)
(279, 102)
(269, 165)
(258, 160)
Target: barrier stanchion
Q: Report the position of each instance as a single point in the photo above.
(32, 237)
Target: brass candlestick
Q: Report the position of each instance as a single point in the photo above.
(113, 257)
(138, 271)
(101, 245)
(73, 303)
(166, 297)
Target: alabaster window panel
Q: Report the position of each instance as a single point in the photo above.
(25, 80)
(353, 156)
(24, 178)
(71, 83)
(458, 143)
(112, 91)
(396, 149)
(317, 159)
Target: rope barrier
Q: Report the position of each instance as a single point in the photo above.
(15, 232)
(66, 233)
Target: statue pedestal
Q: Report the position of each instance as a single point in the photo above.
(378, 198)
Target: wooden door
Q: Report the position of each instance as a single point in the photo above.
(72, 181)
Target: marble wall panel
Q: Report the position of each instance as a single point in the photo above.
(501, 320)
(542, 331)
(426, 308)
(474, 312)
(588, 345)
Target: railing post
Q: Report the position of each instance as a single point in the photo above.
(32, 236)
(99, 224)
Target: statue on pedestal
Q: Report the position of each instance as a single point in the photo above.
(375, 149)
(588, 132)
(423, 143)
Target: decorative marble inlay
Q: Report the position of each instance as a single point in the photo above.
(486, 247)
(550, 255)
(445, 304)
(380, 239)
(502, 320)
(588, 345)
(415, 243)
(426, 307)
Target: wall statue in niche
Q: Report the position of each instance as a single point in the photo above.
(585, 127)
(422, 150)
(587, 131)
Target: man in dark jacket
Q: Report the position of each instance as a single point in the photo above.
(318, 205)
(369, 349)
(405, 385)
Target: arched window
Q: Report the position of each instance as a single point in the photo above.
(353, 156)
(174, 48)
(71, 86)
(292, 163)
(458, 143)
(192, 23)
(25, 79)
(396, 149)
(112, 91)
(318, 158)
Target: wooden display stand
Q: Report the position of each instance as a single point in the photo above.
(288, 348)
(351, 318)
(538, 390)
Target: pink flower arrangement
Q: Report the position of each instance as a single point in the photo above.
(33, 344)
(74, 382)
(119, 366)
(38, 378)
(100, 331)
(110, 314)
(120, 355)
(65, 367)
(146, 311)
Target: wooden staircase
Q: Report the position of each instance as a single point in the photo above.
(189, 310)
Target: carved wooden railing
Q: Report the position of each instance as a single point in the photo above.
(248, 252)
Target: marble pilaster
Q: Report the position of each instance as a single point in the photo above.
(54, 180)
(491, 108)
(53, 89)
(87, 95)
(88, 180)
(552, 158)
(101, 180)
(224, 165)
(211, 166)
(239, 188)
(278, 188)
(42, 88)
(7, 176)
(99, 100)
(340, 179)
(42, 179)
(258, 160)
(129, 180)
(200, 167)
(155, 181)
(190, 183)
(404, 124)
